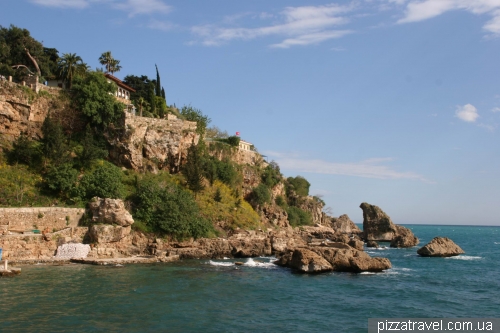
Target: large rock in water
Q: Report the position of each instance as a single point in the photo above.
(378, 226)
(338, 257)
(440, 247)
(343, 224)
(110, 211)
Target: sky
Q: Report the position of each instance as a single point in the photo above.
(391, 102)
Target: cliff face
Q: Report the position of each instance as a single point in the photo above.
(151, 143)
(23, 111)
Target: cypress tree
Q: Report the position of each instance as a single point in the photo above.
(163, 95)
(158, 84)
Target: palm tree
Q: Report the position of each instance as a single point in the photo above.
(114, 66)
(105, 59)
(70, 65)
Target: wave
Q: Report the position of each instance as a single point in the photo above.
(465, 258)
(248, 263)
(217, 263)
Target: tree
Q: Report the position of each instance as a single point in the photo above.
(94, 96)
(217, 195)
(158, 84)
(299, 184)
(70, 65)
(169, 209)
(111, 64)
(21, 54)
(192, 170)
(142, 85)
(24, 151)
(104, 181)
(114, 66)
(54, 141)
(193, 114)
(92, 148)
(260, 195)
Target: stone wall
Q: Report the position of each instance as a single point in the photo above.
(53, 218)
(34, 247)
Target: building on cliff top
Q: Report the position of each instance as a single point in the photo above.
(245, 145)
(123, 92)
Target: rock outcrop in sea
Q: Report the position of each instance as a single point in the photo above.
(344, 225)
(440, 247)
(378, 226)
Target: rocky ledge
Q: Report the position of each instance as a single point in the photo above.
(440, 247)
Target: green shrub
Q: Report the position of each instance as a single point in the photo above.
(298, 217)
(169, 209)
(25, 151)
(103, 181)
(280, 201)
(271, 175)
(260, 195)
(299, 185)
(61, 180)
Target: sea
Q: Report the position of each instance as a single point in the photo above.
(218, 296)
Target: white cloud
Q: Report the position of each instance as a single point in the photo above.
(302, 25)
(313, 38)
(489, 128)
(62, 3)
(423, 10)
(467, 113)
(497, 109)
(138, 7)
(370, 168)
(161, 25)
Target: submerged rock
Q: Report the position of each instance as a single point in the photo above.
(440, 247)
(378, 226)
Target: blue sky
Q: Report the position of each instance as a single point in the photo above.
(392, 102)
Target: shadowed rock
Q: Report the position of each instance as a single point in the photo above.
(378, 226)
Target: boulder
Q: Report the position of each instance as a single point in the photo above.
(337, 257)
(440, 247)
(105, 233)
(357, 244)
(110, 211)
(372, 244)
(307, 261)
(378, 226)
(404, 238)
(343, 224)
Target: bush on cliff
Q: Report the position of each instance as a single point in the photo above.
(227, 210)
(260, 195)
(104, 181)
(299, 185)
(271, 175)
(298, 217)
(168, 209)
(94, 97)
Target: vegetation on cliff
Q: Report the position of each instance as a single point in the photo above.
(70, 162)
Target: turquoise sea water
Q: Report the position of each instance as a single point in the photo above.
(214, 296)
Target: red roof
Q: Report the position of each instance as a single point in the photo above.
(119, 82)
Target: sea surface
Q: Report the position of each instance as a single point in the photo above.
(217, 296)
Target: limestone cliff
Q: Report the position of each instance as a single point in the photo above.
(151, 143)
(23, 111)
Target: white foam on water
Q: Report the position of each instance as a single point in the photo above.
(367, 273)
(226, 258)
(252, 263)
(216, 263)
(465, 258)
(496, 242)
